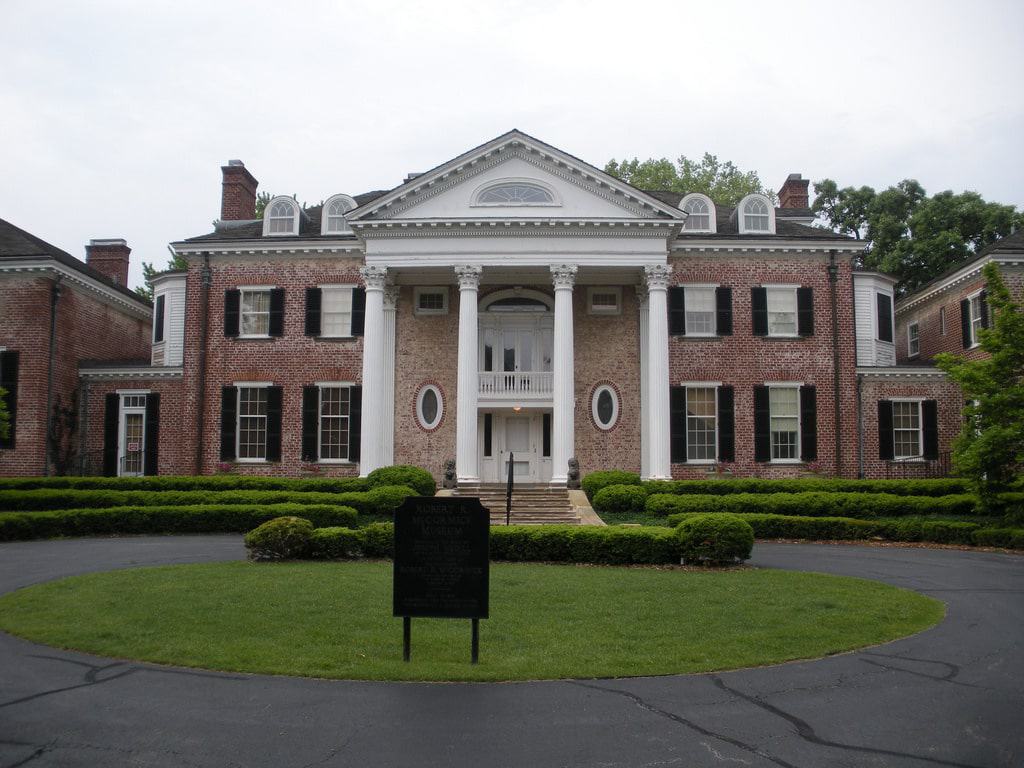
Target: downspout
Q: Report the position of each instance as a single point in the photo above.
(860, 430)
(205, 281)
(54, 297)
(833, 278)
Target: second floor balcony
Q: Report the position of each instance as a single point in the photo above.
(519, 386)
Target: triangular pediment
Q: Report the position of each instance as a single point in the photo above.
(475, 186)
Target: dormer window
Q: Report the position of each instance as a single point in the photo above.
(281, 217)
(757, 216)
(334, 221)
(700, 213)
(515, 193)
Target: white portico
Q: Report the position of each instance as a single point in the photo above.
(518, 230)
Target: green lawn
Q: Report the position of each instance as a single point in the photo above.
(334, 620)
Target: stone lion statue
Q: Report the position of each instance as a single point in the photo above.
(449, 475)
(573, 476)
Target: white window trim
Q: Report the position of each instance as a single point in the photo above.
(321, 386)
(797, 385)
(910, 353)
(556, 200)
(295, 217)
(239, 386)
(740, 216)
(702, 385)
(714, 312)
(712, 221)
(123, 410)
(796, 310)
(617, 290)
(975, 343)
(242, 289)
(615, 407)
(419, 290)
(335, 287)
(350, 206)
(419, 406)
(919, 456)
(942, 321)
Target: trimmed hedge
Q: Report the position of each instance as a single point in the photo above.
(931, 487)
(282, 538)
(1010, 538)
(859, 505)
(208, 518)
(595, 481)
(715, 539)
(620, 499)
(382, 500)
(418, 479)
(190, 483)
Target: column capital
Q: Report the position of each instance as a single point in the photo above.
(641, 293)
(390, 298)
(374, 277)
(656, 276)
(469, 276)
(563, 275)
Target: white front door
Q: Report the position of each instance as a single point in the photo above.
(518, 440)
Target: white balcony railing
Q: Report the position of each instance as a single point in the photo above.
(519, 385)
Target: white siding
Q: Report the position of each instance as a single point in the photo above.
(170, 351)
(871, 351)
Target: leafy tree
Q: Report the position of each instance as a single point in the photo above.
(990, 449)
(5, 416)
(149, 272)
(722, 182)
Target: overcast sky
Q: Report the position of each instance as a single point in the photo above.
(115, 117)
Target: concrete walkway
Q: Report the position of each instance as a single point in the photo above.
(950, 696)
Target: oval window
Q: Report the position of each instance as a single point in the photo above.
(429, 407)
(605, 407)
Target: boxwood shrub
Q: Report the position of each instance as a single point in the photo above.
(191, 483)
(418, 479)
(283, 538)
(717, 487)
(595, 481)
(620, 499)
(1009, 538)
(715, 539)
(812, 504)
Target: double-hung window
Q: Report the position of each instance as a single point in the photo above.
(700, 311)
(784, 408)
(977, 318)
(254, 312)
(781, 311)
(913, 340)
(701, 424)
(333, 432)
(252, 424)
(906, 429)
(336, 311)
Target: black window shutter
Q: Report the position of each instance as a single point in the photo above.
(314, 298)
(677, 311)
(355, 422)
(762, 425)
(276, 312)
(228, 417)
(965, 322)
(983, 301)
(273, 423)
(726, 424)
(808, 423)
(111, 416)
(930, 428)
(9, 382)
(358, 311)
(885, 438)
(723, 311)
(884, 307)
(310, 416)
(805, 311)
(150, 459)
(677, 425)
(759, 305)
(158, 320)
(489, 425)
(232, 300)
(545, 435)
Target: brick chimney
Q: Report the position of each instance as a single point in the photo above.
(794, 192)
(238, 195)
(109, 257)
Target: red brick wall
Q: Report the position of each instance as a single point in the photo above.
(745, 361)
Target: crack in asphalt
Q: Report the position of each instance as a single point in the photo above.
(949, 677)
(688, 723)
(806, 732)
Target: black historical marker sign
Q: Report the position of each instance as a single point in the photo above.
(442, 558)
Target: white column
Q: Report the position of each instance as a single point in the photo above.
(371, 445)
(659, 414)
(466, 462)
(390, 305)
(645, 429)
(563, 431)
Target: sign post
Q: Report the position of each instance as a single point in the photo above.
(442, 563)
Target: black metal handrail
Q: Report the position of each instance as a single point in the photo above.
(508, 491)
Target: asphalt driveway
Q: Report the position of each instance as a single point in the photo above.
(950, 696)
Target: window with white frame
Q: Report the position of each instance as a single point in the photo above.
(336, 310)
(782, 315)
(784, 413)
(254, 311)
(252, 424)
(701, 424)
(431, 300)
(604, 406)
(942, 320)
(700, 310)
(906, 429)
(281, 218)
(913, 340)
(699, 213)
(604, 301)
(515, 193)
(976, 318)
(756, 217)
(334, 414)
(334, 210)
(429, 406)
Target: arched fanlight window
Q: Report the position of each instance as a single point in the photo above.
(515, 193)
(429, 407)
(756, 215)
(700, 213)
(333, 215)
(604, 406)
(281, 217)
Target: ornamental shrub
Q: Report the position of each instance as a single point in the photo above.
(416, 478)
(628, 499)
(723, 486)
(715, 539)
(1008, 538)
(190, 483)
(283, 538)
(595, 481)
(812, 504)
